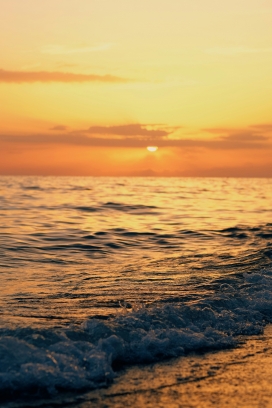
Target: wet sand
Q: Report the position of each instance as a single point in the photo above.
(231, 378)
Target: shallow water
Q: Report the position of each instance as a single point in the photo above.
(102, 272)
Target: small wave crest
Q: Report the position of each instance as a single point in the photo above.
(133, 208)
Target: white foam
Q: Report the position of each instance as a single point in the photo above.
(77, 358)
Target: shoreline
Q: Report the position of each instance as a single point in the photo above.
(239, 377)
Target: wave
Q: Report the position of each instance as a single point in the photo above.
(43, 362)
(124, 207)
(133, 208)
(37, 246)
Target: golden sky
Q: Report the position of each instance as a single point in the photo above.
(87, 85)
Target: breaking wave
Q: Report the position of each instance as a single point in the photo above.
(45, 361)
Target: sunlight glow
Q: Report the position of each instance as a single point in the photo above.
(152, 148)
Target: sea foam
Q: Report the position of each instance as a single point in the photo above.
(47, 361)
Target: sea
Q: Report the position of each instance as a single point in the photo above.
(102, 274)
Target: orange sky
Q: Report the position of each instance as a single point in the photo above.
(86, 86)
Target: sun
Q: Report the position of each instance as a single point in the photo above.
(152, 148)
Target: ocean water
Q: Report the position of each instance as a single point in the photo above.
(102, 273)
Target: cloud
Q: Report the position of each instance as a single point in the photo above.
(252, 132)
(59, 128)
(265, 127)
(238, 139)
(244, 137)
(135, 142)
(138, 135)
(219, 130)
(129, 130)
(55, 49)
(46, 76)
(79, 140)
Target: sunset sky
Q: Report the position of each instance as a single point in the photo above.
(87, 85)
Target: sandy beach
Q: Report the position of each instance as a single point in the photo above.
(241, 377)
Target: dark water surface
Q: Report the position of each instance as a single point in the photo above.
(102, 272)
